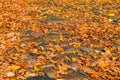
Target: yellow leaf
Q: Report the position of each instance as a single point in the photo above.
(110, 20)
(44, 17)
(15, 67)
(108, 51)
(1, 23)
(42, 48)
(3, 42)
(60, 79)
(37, 66)
(85, 79)
(67, 58)
(16, 47)
(17, 55)
(74, 52)
(104, 30)
(74, 59)
(53, 61)
(61, 37)
(114, 58)
(65, 67)
(111, 15)
(104, 64)
(52, 49)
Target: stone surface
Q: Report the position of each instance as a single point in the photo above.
(40, 78)
(75, 76)
(50, 72)
(86, 49)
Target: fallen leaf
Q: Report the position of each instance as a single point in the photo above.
(61, 37)
(95, 75)
(108, 51)
(37, 66)
(1, 23)
(65, 67)
(15, 67)
(10, 74)
(60, 79)
(53, 61)
(85, 79)
(11, 34)
(74, 59)
(23, 64)
(111, 15)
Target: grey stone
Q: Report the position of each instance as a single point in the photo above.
(86, 49)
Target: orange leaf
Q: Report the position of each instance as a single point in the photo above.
(95, 75)
(23, 64)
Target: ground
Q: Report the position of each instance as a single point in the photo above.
(59, 39)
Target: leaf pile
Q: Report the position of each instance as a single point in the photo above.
(60, 39)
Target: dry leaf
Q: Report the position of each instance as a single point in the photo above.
(10, 74)
(15, 67)
(37, 66)
(95, 75)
